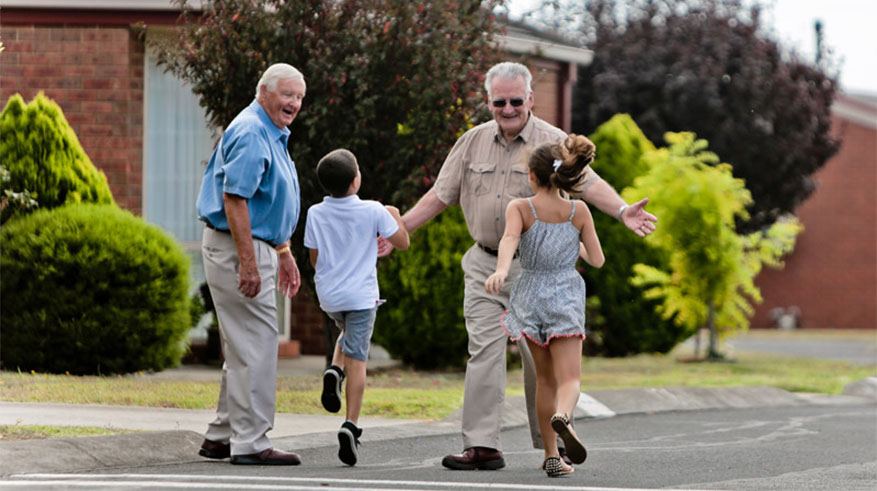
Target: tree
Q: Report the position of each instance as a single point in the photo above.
(709, 278)
(44, 159)
(620, 320)
(391, 80)
(706, 66)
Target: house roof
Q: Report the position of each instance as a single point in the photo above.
(857, 108)
(519, 37)
(161, 5)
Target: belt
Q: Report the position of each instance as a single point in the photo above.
(212, 227)
(493, 252)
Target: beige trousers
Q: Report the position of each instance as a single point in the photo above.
(247, 326)
(484, 391)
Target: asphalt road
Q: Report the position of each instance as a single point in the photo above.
(820, 447)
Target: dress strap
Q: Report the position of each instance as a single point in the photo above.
(573, 210)
(533, 208)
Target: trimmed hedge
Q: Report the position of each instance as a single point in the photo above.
(91, 289)
(43, 156)
(422, 322)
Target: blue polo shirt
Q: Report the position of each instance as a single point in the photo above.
(251, 161)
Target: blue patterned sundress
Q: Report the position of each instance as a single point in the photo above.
(548, 298)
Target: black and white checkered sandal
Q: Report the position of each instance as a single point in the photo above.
(554, 467)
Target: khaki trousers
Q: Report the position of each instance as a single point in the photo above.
(247, 326)
(484, 391)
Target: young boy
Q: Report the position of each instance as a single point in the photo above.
(341, 234)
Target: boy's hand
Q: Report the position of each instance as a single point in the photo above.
(494, 282)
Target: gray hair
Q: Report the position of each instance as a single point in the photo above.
(277, 72)
(508, 70)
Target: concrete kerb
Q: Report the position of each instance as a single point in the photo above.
(163, 447)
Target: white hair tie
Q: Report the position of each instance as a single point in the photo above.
(557, 164)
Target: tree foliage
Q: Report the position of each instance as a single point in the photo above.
(44, 159)
(709, 278)
(707, 66)
(391, 80)
(620, 320)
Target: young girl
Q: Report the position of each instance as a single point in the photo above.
(547, 303)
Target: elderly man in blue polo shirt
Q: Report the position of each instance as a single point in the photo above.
(250, 203)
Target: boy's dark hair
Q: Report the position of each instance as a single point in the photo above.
(335, 171)
(573, 156)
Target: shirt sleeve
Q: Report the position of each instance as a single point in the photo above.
(449, 182)
(310, 232)
(387, 225)
(246, 157)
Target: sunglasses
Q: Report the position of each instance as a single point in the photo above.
(516, 102)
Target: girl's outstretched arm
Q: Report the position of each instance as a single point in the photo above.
(511, 237)
(593, 252)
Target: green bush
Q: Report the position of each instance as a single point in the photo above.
(43, 156)
(422, 322)
(91, 289)
(620, 320)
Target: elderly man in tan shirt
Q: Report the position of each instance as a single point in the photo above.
(485, 170)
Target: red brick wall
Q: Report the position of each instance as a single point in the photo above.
(307, 323)
(546, 84)
(96, 75)
(832, 273)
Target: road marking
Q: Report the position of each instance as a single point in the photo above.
(197, 481)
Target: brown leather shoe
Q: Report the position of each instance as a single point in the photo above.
(481, 458)
(267, 457)
(214, 450)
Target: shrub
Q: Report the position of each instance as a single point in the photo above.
(43, 156)
(91, 289)
(422, 322)
(620, 320)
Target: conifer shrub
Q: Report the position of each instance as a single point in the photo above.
(43, 156)
(621, 321)
(91, 289)
(422, 322)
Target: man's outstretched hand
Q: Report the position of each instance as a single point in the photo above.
(637, 219)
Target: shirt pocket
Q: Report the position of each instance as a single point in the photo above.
(519, 183)
(481, 176)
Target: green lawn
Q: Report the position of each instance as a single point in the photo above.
(401, 393)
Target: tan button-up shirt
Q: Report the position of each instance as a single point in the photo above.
(484, 172)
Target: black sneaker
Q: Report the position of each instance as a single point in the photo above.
(331, 398)
(348, 438)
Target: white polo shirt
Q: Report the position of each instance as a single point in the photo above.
(344, 231)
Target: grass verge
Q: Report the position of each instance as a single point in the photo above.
(404, 393)
(39, 432)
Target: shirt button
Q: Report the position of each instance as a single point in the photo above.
(496, 219)
(498, 195)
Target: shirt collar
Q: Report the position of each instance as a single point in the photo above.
(526, 133)
(346, 199)
(275, 132)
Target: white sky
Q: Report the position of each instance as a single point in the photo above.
(849, 28)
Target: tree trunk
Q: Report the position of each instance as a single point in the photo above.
(713, 353)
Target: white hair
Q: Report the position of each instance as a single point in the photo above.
(275, 72)
(510, 71)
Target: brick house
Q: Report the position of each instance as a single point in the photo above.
(146, 131)
(830, 279)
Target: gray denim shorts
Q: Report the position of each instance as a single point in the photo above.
(357, 327)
